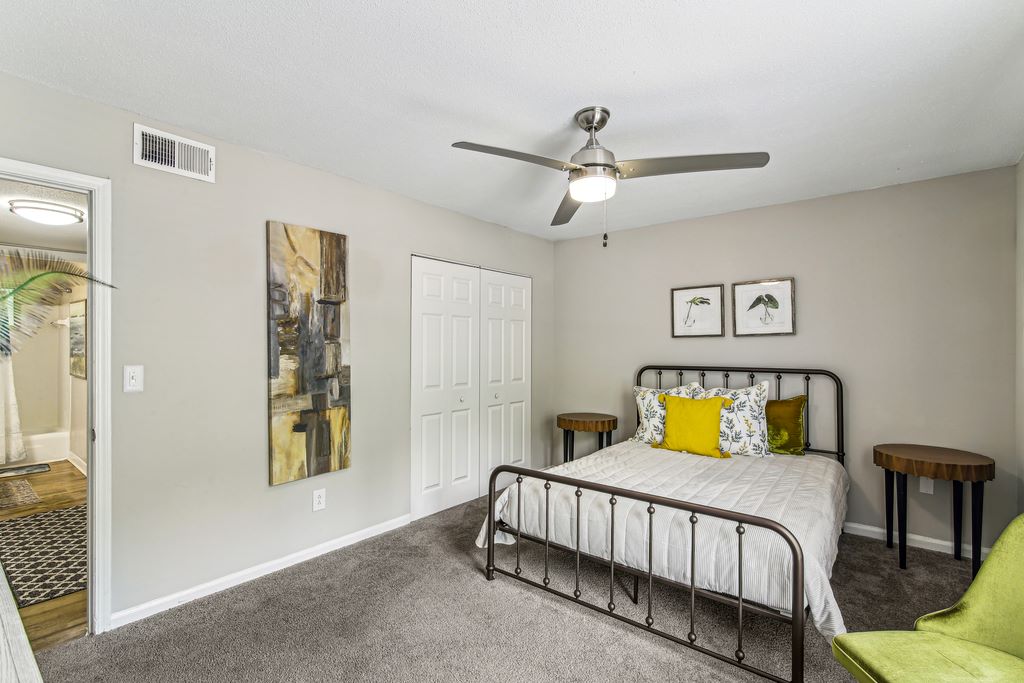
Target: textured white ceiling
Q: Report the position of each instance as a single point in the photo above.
(843, 95)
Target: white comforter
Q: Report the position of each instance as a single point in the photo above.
(807, 494)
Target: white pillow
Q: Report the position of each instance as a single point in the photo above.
(651, 427)
(744, 427)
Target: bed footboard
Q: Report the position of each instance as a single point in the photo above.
(795, 618)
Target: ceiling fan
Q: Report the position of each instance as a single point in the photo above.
(594, 173)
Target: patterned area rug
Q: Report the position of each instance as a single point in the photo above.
(44, 555)
(17, 493)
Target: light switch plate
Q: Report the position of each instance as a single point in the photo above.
(319, 499)
(927, 485)
(134, 379)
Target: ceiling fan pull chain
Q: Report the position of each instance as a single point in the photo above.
(605, 238)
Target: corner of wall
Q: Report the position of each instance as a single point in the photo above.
(1020, 337)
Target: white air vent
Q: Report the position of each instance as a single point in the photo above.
(174, 154)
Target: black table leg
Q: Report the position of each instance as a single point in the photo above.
(565, 445)
(572, 445)
(901, 514)
(958, 518)
(607, 439)
(889, 477)
(977, 503)
(600, 440)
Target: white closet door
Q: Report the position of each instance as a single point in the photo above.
(505, 363)
(445, 385)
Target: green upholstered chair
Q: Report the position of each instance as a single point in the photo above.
(980, 638)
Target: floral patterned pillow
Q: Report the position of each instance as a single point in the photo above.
(744, 429)
(651, 428)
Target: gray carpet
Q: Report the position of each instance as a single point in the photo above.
(412, 605)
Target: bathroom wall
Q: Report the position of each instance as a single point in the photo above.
(40, 379)
(78, 418)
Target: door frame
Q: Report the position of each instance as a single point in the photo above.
(98, 478)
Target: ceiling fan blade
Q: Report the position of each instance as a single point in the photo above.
(566, 210)
(643, 168)
(521, 156)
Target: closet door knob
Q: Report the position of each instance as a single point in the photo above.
(461, 399)
(495, 396)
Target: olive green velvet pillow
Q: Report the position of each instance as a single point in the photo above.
(786, 425)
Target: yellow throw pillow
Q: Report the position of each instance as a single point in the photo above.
(693, 424)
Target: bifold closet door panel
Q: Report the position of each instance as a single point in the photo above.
(505, 362)
(445, 400)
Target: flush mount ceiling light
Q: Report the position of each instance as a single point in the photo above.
(47, 213)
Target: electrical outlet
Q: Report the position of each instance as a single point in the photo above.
(134, 378)
(927, 485)
(319, 499)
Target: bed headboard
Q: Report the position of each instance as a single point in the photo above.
(667, 376)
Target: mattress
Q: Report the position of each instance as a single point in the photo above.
(807, 494)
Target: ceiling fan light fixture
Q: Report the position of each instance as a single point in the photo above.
(592, 188)
(47, 213)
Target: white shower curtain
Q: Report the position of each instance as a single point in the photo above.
(12, 447)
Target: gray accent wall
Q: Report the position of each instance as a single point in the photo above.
(907, 292)
(191, 500)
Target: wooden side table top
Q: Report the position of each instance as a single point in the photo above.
(935, 462)
(588, 422)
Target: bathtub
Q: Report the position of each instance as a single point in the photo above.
(46, 447)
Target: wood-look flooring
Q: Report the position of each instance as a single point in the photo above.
(61, 619)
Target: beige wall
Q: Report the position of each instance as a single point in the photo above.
(41, 378)
(78, 405)
(191, 500)
(1020, 336)
(907, 292)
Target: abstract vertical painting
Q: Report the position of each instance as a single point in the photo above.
(309, 346)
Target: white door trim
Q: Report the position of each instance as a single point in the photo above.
(100, 265)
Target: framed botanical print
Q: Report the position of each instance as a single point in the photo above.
(77, 331)
(698, 311)
(762, 307)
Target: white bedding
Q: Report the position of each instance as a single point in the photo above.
(807, 494)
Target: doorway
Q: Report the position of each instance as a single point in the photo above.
(470, 381)
(54, 401)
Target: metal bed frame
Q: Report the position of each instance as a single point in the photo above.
(797, 615)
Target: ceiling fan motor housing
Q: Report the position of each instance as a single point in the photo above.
(594, 155)
(594, 160)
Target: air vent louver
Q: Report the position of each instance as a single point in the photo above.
(174, 154)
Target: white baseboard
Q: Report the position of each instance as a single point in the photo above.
(146, 609)
(916, 540)
(77, 462)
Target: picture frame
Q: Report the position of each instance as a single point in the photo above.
(78, 339)
(309, 369)
(698, 311)
(764, 307)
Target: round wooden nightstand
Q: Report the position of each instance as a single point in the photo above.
(934, 462)
(570, 423)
